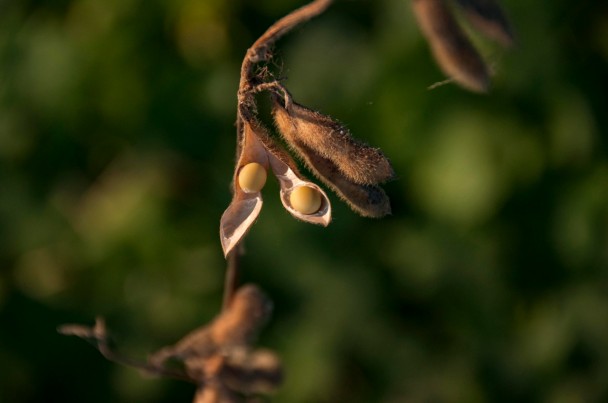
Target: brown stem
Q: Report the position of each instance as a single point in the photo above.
(231, 278)
(98, 335)
(260, 50)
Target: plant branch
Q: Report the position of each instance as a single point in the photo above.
(260, 50)
(231, 278)
(98, 335)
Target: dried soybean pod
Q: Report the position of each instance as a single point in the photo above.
(488, 18)
(246, 204)
(286, 171)
(290, 179)
(366, 200)
(452, 49)
(357, 161)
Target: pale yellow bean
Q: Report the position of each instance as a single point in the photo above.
(305, 200)
(252, 177)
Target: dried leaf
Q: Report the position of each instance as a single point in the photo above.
(245, 207)
(488, 17)
(360, 163)
(452, 49)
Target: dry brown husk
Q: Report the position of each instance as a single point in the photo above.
(367, 200)
(245, 207)
(330, 139)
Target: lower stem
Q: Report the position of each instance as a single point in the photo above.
(231, 278)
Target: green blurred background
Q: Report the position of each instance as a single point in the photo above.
(487, 284)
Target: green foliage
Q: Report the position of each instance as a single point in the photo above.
(488, 282)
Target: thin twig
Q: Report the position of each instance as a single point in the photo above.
(98, 335)
(231, 278)
(287, 23)
(260, 50)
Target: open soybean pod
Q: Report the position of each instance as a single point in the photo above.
(452, 49)
(257, 150)
(246, 204)
(290, 181)
(488, 18)
(359, 162)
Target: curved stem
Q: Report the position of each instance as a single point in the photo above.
(260, 50)
(98, 335)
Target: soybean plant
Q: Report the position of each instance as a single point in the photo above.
(220, 358)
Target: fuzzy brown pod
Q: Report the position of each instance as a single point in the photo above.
(358, 162)
(488, 17)
(246, 203)
(453, 51)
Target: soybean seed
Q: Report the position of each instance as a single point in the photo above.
(252, 177)
(305, 200)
